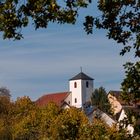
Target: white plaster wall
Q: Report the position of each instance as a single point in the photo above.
(122, 115)
(81, 93)
(129, 128)
(76, 93)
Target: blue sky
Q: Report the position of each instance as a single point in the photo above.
(46, 59)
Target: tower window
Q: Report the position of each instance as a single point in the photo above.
(87, 84)
(75, 85)
(75, 100)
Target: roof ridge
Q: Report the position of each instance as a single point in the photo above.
(81, 76)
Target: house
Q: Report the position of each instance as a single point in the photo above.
(120, 109)
(115, 101)
(79, 94)
(97, 113)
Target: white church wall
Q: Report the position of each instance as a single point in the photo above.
(76, 93)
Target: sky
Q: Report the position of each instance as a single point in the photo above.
(45, 60)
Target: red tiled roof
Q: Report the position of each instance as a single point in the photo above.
(57, 98)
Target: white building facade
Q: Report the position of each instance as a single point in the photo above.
(81, 88)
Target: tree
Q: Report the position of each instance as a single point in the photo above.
(119, 17)
(25, 120)
(68, 125)
(100, 100)
(5, 92)
(48, 115)
(16, 14)
(121, 20)
(98, 130)
(131, 84)
(6, 107)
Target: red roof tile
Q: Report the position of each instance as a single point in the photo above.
(57, 98)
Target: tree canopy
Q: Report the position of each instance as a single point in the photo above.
(23, 119)
(100, 100)
(17, 14)
(121, 20)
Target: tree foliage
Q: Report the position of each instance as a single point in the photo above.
(24, 120)
(5, 92)
(100, 100)
(16, 14)
(131, 84)
(121, 20)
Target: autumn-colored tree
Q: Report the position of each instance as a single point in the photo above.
(48, 114)
(25, 119)
(120, 18)
(68, 125)
(6, 107)
(99, 130)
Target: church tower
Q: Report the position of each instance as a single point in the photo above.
(81, 88)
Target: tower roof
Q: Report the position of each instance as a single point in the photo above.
(81, 76)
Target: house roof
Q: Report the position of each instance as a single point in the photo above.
(57, 98)
(132, 107)
(81, 76)
(117, 94)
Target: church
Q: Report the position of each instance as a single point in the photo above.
(79, 94)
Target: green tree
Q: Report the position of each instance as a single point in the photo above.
(16, 14)
(100, 100)
(121, 20)
(131, 84)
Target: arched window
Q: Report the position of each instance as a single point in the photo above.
(75, 85)
(75, 100)
(87, 84)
